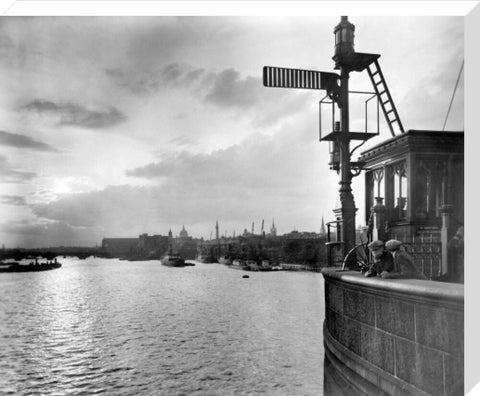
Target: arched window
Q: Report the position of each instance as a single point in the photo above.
(378, 184)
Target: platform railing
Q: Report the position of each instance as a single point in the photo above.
(426, 251)
(334, 246)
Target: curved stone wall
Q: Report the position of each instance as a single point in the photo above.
(392, 336)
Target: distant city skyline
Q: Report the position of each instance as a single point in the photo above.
(118, 126)
(226, 233)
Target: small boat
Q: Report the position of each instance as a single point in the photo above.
(251, 265)
(205, 259)
(267, 266)
(172, 259)
(238, 264)
(225, 260)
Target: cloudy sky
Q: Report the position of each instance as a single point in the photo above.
(116, 126)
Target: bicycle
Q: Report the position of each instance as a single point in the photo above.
(360, 255)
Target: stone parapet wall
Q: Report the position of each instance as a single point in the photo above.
(397, 337)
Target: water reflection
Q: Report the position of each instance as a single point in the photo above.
(140, 327)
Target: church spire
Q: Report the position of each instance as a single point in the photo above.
(273, 229)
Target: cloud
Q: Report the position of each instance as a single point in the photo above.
(197, 189)
(126, 211)
(229, 90)
(248, 97)
(76, 115)
(103, 208)
(193, 75)
(115, 73)
(9, 174)
(183, 140)
(172, 72)
(13, 200)
(22, 141)
(6, 42)
(151, 81)
(437, 92)
(225, 180)
(151, 41)
(10, 53)
(225, 88)
(282, 153)
(40, 233)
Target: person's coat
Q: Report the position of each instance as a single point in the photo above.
(403, 267)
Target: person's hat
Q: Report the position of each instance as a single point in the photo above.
(393, 244)
(375, 244)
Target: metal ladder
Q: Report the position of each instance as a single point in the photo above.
(383, 94)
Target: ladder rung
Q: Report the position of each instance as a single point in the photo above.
(381, 89)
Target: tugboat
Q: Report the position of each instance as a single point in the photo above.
(172, 259)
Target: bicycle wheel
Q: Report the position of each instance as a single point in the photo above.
(359, 255)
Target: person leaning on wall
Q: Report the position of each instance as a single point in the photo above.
(382, 260)
(403, 264)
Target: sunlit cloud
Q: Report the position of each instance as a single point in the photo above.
(193, 135)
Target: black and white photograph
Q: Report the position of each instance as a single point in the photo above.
(251, 203)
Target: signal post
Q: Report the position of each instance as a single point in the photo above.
(346, 61)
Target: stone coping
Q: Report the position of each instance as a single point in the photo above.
(422, 288)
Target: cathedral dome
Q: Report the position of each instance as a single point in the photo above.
(183, 233)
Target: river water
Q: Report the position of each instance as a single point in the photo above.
(99, 326)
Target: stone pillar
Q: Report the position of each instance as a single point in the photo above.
(446, 211)
(379, 210)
